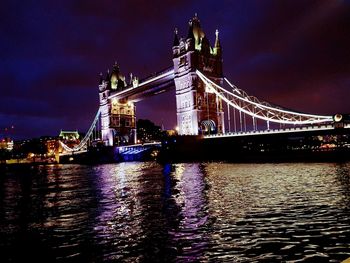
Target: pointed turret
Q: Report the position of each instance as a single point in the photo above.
(190, 40)
(217, 46)
(102, 83)
(101, 78)
(197, 32)
(115, 69)
(176, 38)
(116, 78)
(130, 78)
(205, 45)
(190, 30)
(176, 43)
(107, 76)
(107, 79)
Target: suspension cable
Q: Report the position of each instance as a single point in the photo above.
(273, 114)
(85, 140)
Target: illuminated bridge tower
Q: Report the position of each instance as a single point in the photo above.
(118, 125)
(198, 110)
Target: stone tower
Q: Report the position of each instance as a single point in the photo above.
(118, 121)
(198, 110)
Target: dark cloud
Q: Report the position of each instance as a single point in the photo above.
(293, 53)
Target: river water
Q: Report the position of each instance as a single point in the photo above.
(192, 212)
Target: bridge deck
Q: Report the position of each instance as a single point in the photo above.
(276, 131)
(153, 85)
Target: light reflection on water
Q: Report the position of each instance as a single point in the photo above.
(280, 212)
(193, 212)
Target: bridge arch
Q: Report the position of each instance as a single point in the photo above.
(208, 127)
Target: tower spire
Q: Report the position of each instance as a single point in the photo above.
(176, 38)
(217, 45)
(115, 68)
(190, 30)
(101, 78)
(107, 78)
(217, 41)
(196, 21)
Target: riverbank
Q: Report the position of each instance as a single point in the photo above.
(302, 147)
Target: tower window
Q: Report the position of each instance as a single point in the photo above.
(183, 60)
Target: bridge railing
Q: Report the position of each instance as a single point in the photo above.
(156, 74)
(131, 88)
(274, 131)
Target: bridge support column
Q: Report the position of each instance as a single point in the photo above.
(134, 134)
(106, 131)
(107, 137)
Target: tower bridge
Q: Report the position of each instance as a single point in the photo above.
(207, 103)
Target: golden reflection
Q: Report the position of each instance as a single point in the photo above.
(191, 198)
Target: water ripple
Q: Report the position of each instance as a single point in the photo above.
(194, 212)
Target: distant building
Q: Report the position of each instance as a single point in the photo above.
(69, 138)
(52, 146)
(69, 135)
(171, 132)
(6, 144)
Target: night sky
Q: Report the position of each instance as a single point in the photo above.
(291, 53)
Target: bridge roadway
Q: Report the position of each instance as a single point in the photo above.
(72, 152)
(275, 131)
(160, 82)
(121, 149)
(126, 148)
